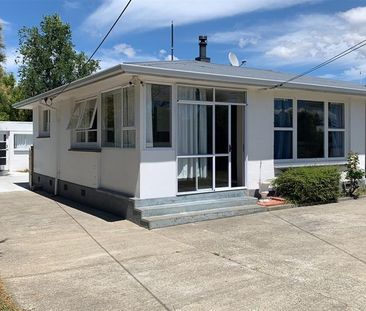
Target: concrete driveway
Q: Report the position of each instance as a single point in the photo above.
(58, 257)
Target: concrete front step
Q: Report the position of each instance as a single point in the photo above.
(161, 221)
(189, 198)
(191, 206)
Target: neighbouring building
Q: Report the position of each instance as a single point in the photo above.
(141, 136)
(15, 140)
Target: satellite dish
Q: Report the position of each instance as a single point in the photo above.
(233, 59)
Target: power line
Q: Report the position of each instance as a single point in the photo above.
(99, 45)
(331, 60)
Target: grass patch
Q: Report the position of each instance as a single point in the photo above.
(6, 303)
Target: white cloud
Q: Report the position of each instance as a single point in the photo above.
(73, 5)
(125, 49)
(306, 40)
(11, 56)
(3, 22)
(152, 14)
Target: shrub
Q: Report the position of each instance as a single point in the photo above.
(309, 185)
(354, 174)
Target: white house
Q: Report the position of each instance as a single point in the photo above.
(15, 140)
(139, 135)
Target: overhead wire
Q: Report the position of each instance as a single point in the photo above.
(331, 60)
(97, 48)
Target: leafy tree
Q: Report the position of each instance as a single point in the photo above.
(2, 54)
(48, 57)
(354, 174)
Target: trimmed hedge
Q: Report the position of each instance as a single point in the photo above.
(309, 185)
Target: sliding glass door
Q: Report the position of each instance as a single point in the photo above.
(207, 135)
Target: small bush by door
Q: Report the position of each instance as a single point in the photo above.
(309, 185)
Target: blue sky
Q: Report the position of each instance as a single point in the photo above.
(282, 35)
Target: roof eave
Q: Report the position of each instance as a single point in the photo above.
(257, 82)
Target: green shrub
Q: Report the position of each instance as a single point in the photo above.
(309, 185)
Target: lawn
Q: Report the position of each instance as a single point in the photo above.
(6, 303)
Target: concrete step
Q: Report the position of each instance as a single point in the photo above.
(218, 195)
(161, 221)
(191, 206)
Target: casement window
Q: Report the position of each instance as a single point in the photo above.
(22, 142)
(44, 122)
(158, 115)
(118, 118)
(83, 123)
(319, 132)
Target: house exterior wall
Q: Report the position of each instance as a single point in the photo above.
(152, 172)
(17, 160)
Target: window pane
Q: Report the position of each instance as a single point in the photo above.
(195, 129)
(92, 136)
(282, 145)
(282, 112)
(22, 141)
(187, 175)
(310, 129)
(46, 121)
(336, 144)
(222, 129)
(80, 137)
(111, 119)
(75, 117)
(229, 96)
(222, 172)
(129, 139)
(158, 115)
(87, 119)
(128, 107)
(195, 93)
(336, 115)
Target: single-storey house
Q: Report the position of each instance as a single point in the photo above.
(15, 140)
(146, 139)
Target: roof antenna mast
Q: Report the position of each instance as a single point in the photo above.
(172, 42)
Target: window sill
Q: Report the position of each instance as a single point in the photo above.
(85, 149)
(310, 162)
(43, 136)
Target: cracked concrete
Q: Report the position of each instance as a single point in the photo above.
(62, 256)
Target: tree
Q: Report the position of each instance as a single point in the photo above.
(48, 57)
(354, 174)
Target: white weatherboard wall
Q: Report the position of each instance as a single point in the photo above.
(17, 160)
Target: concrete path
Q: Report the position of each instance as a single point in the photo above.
(14, 182)
(58, 257)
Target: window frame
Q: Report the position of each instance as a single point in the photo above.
(128, 128)
(173, 97)
(42, 131)
(75, 130)
(295, 161)
(22, 134)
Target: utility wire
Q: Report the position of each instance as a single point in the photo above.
(331, 60)
(97, 48)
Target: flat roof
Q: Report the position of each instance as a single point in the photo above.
(203, 71)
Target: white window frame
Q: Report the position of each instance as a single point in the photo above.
(295, 161)
(128, 128)
(86, 130)
(27, 146)
(44, 126)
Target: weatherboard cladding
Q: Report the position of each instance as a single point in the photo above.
(212, 72)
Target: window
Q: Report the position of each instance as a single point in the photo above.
(83, 122)
(44, 122)
(158, 115)
(22, 141)
(195, 93)
(336, 130)
(128, 121)
(229, 96)
(310, 129)
(283, 123)
(111, 119)
(319, 129)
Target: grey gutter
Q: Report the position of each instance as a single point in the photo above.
(265, 83)
(101, 75)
